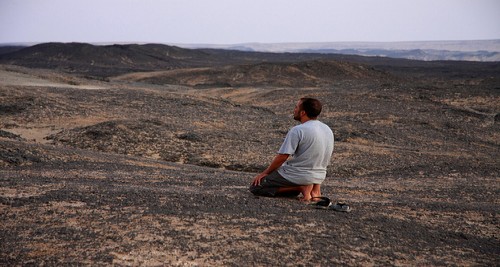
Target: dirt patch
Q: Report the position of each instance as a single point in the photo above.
(17, 76)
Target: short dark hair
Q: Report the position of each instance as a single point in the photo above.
(311, 106)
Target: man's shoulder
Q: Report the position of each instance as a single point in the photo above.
(313, 124)
(310, 125)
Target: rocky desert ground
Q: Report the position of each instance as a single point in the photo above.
(131, 164)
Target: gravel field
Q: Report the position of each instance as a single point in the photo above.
(127, 172)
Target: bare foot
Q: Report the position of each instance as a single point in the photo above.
(306, 192)
(316, 191)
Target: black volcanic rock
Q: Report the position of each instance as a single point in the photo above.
(10, 135)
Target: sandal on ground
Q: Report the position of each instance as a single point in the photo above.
(322, 203)
(340, 206)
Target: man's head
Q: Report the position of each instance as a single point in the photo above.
(307, 108)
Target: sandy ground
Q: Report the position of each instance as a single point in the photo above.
(134, 174)
(11, 77)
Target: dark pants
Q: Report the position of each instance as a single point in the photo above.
(270, 184)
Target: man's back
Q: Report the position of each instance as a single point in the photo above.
(311, 147)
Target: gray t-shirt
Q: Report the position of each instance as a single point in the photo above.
(311, 145)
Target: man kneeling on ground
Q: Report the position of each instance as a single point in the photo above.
(311, 145)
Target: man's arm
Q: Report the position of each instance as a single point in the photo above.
(277, 162)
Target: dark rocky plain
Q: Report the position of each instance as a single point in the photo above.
(142, 155)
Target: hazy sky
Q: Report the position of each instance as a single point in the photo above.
(234, 21)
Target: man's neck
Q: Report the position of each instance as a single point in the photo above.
(305, 119)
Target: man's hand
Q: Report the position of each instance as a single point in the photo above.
(258, 178)
(277, 162)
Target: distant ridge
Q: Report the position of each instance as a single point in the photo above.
(470, 50)
(103, 62)
(9, 49)
(82, 56)
(466, 50)
(112, 60)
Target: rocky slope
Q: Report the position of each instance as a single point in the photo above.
(142, 172)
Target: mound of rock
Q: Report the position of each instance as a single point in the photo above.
(156, 139)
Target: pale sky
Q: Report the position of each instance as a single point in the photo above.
(235, 21)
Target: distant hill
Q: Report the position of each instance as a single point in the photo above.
(102, 60)
(472, 50)
(107, 61)
(416, 54)
(111, 60)
(10, 49)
